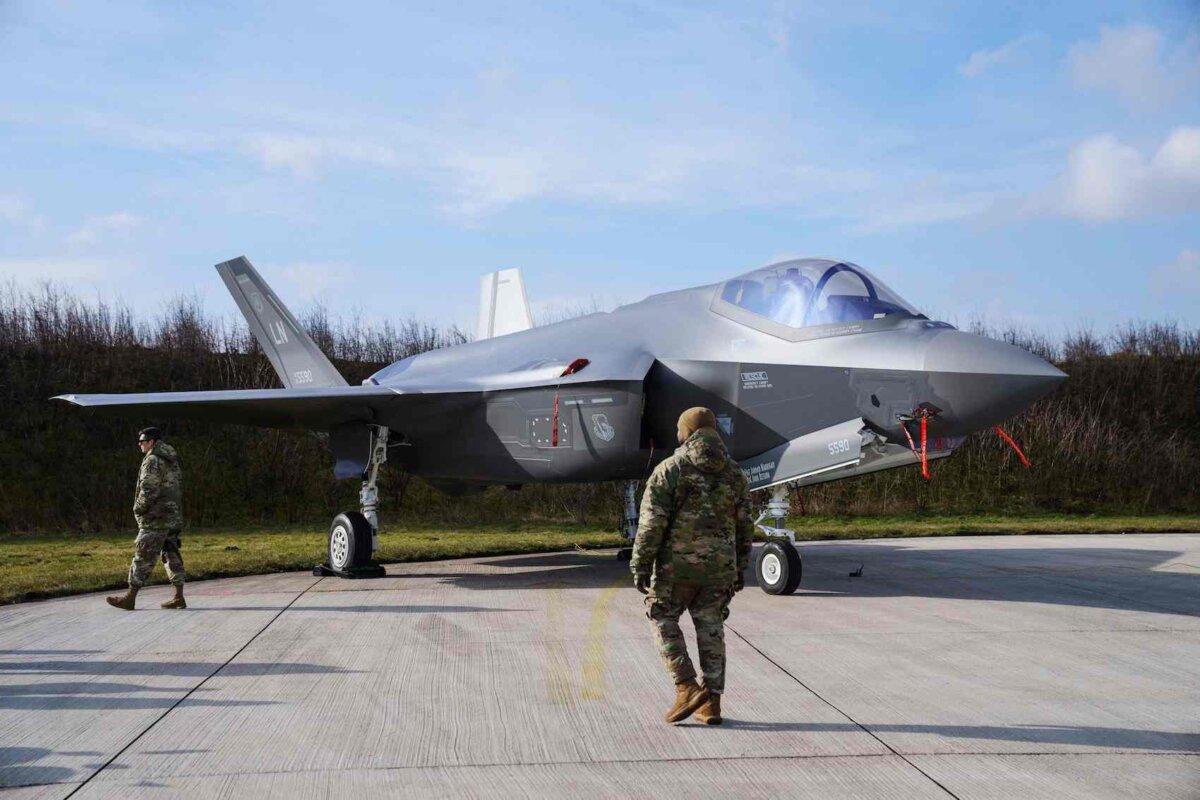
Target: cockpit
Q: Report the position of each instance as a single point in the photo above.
(811, 298)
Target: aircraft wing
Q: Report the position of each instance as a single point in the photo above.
(316, 397)
(314, 409)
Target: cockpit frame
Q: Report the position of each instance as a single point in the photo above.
(893, 311)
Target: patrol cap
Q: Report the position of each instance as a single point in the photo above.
(694, 419)
(146, 434)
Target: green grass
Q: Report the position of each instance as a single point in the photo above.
(49, 565)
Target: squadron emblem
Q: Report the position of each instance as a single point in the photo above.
(601, 427)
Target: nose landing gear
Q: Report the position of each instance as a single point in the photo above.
(779, 567)
(354, 535)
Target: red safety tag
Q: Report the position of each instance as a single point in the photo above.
(554, 424)
(1003, 434)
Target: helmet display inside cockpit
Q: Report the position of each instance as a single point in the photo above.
(811, 292)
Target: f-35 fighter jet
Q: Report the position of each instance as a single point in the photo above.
(816, 371)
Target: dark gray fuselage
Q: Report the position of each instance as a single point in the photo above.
(651, 360)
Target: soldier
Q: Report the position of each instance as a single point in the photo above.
(158, 509)
(693, 544)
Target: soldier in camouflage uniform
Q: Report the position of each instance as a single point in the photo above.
(693, 544)
(157, 506)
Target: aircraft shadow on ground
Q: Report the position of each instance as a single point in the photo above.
(1095, 577)
(549, 571)
(182, 669)
(17, 769)
(1116, 578)
(92, 694)
(1077, 735)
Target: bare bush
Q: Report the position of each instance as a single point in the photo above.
(1121, 434)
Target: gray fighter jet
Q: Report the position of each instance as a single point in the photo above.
(816, 371)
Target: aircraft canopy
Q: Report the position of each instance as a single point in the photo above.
(810, 292)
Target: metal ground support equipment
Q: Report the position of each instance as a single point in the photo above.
(354, 535)
(629, 519)
(778, 568)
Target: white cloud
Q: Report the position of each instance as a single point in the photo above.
(981, 61)
(12, 209)
(1181, 276)
(67, 270)
(141, 136)
(1134, 63)
(302, 153)
(309, 280)
(524, 142)
(95, 229)
(1107, 180)
(16, 212)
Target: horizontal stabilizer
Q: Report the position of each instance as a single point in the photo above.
(503, 306)
(295, 357)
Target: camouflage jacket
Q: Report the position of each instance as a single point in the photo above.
(158, 502)
(694, 526)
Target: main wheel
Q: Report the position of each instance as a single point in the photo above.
(349, 541)
(778, 568)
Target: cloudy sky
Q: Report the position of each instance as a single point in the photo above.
(1036, 163)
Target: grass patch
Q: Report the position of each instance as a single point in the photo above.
(43, 565)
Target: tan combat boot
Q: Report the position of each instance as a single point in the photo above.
(124, 601)
(688, 697)
(710, 712)
(177, 601)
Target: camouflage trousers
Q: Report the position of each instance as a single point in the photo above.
(708, 606)
(147, 549)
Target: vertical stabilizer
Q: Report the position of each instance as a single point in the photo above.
(503, 307)
(296, 357)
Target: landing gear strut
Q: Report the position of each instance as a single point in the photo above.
(629, 519)
(779, 567)
(354, 535)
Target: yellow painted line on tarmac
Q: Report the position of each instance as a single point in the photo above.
(594, 649)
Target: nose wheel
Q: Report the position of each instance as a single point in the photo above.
(779, 568)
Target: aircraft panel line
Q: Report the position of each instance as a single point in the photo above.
(191, 691)
(864, 728)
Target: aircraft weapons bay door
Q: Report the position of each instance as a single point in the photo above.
(598, 432)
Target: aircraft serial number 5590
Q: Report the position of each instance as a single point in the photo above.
(839, 446)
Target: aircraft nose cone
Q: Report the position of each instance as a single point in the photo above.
(980, 382)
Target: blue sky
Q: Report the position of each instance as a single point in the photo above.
(1036, 164)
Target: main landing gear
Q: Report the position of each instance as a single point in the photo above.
(779, 567)
(354, 535)
(629, 519)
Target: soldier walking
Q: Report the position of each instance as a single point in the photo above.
(693, 544)
(157, 507)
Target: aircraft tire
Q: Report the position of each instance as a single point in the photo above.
(778, 568)
(349, 541)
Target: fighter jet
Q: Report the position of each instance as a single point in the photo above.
(815, 370)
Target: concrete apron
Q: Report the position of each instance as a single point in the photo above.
(1031, 666)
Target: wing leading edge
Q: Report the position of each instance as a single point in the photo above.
(313, 409)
